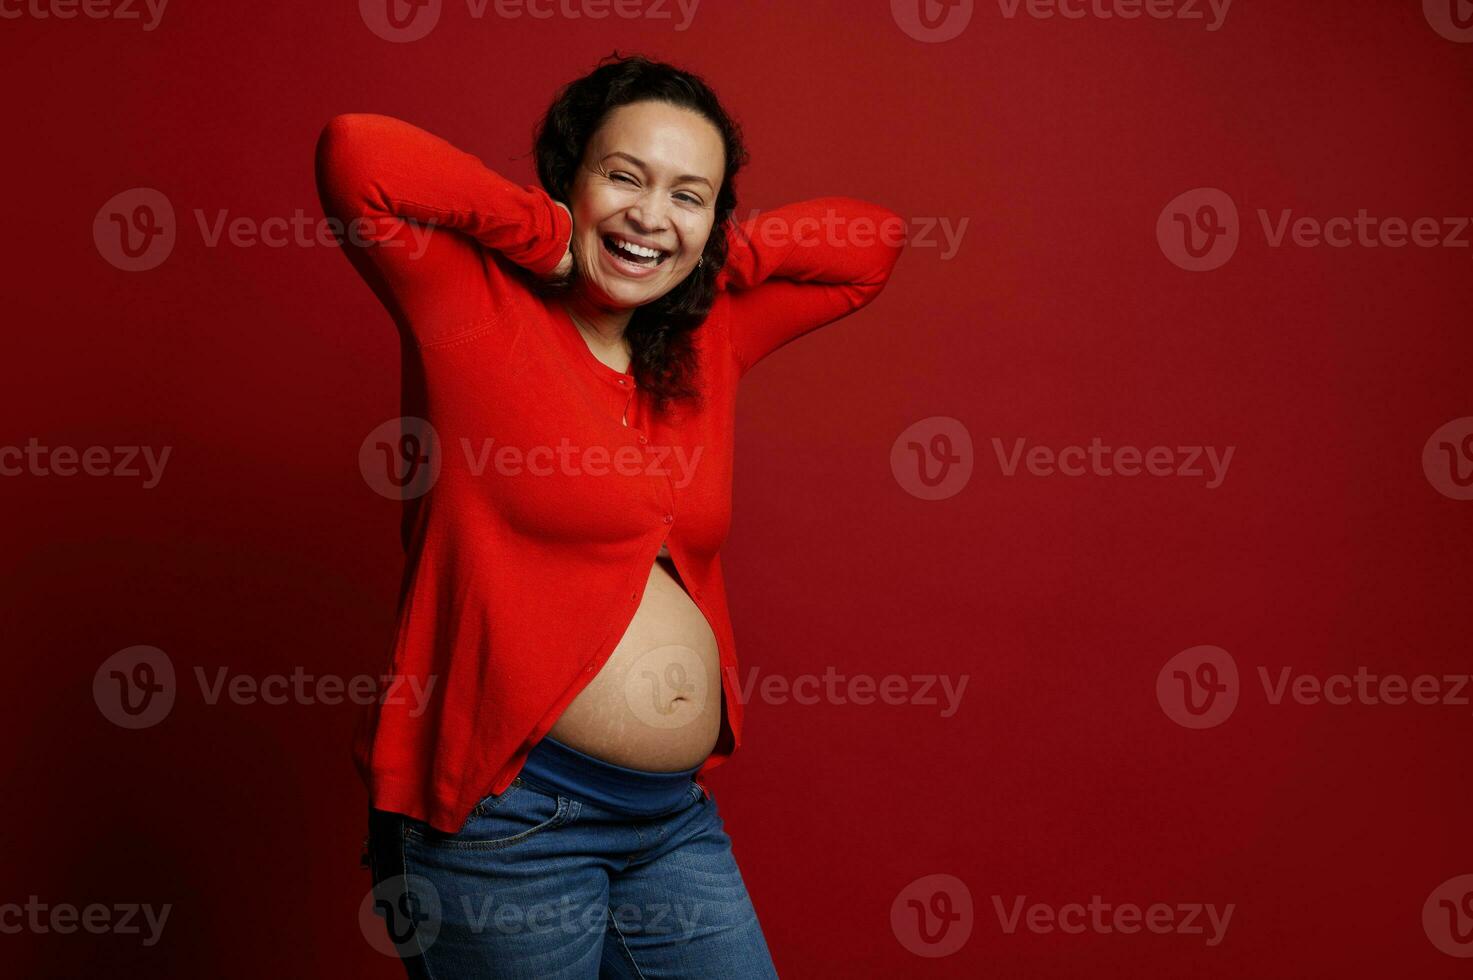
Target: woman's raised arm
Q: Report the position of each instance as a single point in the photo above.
(396, 190)
(801, 266)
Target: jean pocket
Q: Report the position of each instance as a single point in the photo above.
(499, 821)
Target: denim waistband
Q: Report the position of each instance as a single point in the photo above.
(561, 768)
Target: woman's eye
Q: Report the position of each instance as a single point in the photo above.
(685, 198)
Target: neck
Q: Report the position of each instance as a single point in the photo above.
(606, 322)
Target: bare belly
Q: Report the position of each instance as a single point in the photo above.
(655, 704)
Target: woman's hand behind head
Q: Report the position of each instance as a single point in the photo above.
(566, 265)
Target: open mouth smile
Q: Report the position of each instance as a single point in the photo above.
(632, 254)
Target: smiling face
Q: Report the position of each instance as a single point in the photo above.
(648, 181)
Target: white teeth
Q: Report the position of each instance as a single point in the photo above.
(640, 250)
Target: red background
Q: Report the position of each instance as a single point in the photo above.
(1059, 141)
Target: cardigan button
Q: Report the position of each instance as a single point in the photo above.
(669, 518)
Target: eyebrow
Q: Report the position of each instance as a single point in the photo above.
(683, 178)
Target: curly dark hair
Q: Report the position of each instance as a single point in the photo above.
(659, 333)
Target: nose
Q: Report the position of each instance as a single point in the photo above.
(649, 213)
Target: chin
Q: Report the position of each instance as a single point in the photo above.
(627, 295)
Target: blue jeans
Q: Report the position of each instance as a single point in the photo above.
(541, 885)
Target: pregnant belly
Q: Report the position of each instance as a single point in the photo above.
(656, 702)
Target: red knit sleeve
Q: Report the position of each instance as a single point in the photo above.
(415, 216)
(799, 267)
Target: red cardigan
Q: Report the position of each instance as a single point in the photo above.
(528, 554)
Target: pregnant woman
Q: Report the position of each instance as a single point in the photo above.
(571, 354)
